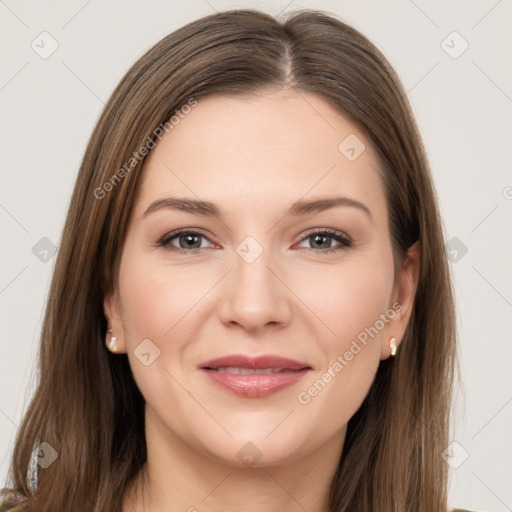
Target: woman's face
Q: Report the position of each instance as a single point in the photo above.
(258, 277)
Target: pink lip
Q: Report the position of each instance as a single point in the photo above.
(255, 385)
(259, 362)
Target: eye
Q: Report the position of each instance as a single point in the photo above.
(187, 240)
(323, 239)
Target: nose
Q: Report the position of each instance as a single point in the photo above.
(254, 296)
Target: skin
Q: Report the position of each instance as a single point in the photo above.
(254, 156)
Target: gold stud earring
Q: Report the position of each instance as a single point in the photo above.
(392, 346)
(112, 345)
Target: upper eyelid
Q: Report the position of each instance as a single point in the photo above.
(177, 232)
(198, 231)
(329, 231)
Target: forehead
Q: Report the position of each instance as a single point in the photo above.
(270, 148)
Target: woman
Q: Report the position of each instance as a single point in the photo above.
(251, 304)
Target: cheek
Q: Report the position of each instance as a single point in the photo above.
(154, 305)
(147, 307)
(154, 300)
(355, 296)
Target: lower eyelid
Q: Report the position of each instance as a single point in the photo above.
(343, 240)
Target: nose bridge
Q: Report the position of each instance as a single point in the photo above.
(253, 296)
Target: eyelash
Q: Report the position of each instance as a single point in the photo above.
(332, 233)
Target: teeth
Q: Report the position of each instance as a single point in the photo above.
(248, 371)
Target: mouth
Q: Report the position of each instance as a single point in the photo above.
(248, 371)
(254, 377)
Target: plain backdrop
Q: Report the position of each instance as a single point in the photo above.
(455, 61)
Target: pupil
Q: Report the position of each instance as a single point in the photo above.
(190, 238)
(320, 237)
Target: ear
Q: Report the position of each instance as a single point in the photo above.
(402, 299)
(112, 310)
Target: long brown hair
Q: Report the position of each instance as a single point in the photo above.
(87, 405)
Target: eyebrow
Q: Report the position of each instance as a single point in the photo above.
(209, 209)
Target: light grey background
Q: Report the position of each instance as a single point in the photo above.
(463, 106)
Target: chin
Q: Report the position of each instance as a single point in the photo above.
(257, 450)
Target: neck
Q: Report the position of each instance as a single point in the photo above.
(180, 477)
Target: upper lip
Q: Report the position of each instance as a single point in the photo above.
(259, 362)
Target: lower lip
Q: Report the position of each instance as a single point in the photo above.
(255, 386)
